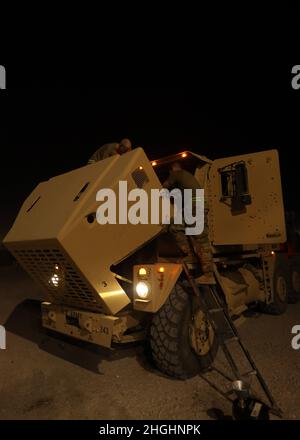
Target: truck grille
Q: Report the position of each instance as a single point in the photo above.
(59, 277)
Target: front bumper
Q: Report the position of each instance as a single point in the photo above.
(91, 327)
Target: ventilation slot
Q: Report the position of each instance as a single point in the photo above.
(29, 209)
(81, 192)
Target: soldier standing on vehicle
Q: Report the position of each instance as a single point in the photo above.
(111, 149)
(182, 179)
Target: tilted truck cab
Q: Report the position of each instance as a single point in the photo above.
(123, 282)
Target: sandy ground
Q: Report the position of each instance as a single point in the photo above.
(45, 376)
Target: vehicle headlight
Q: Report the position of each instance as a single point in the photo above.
(54, 280)
(142, 289)
(57, 278)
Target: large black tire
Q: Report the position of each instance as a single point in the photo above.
(170, 340)
(281, 290)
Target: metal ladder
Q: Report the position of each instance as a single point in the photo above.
(227, 333)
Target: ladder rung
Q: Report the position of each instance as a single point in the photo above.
(250, 373)
(219, 309)
(233, 338)
(226, 336)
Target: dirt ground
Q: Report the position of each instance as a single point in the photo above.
(46, 376)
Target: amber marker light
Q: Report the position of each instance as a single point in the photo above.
(184, 155)
(154, 163)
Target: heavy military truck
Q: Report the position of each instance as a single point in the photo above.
(117, 283)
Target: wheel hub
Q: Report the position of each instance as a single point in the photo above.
(201, 333)
(281, 288)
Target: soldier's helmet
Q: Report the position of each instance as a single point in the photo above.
(124, 146)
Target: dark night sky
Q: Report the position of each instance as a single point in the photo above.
(236, 95)
(47, 131)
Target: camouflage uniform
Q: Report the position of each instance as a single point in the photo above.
(183, 179)
(107, 150)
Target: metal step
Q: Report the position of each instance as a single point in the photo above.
(227, 336)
